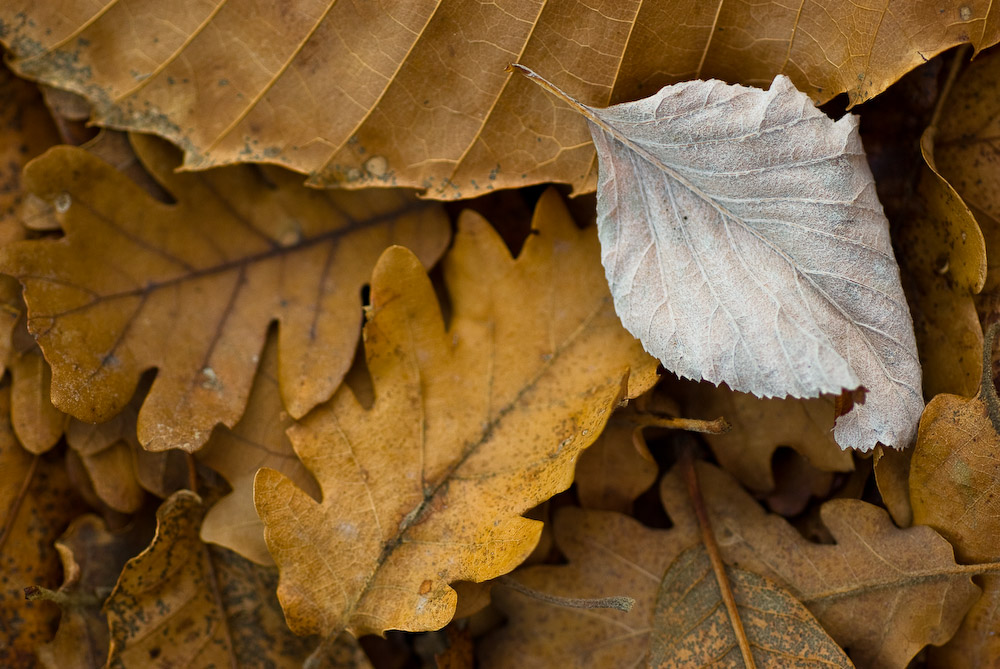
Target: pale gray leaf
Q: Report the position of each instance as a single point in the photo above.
(744, 243)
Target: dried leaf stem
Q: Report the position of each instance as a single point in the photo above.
(686, 463)
(621, 603)
(15, 506)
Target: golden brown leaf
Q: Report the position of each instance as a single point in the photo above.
(471, 426)
(690, 628)
(907, 580)
(258, 440)
(26, 130)
(190, 288)
(953, 472)
(184, 603)
(92, 558)
(36, 503)
(760, 426)
(618, 467)
(414, 94)
(37, 423)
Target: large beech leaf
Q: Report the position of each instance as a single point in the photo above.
(744, 243)
(189, 288)
(472, 425)
(691, 628)
(881, 591)
(413, 93)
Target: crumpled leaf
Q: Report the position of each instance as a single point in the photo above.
(36, 503)
(184, 603)
(258, 440)
(240, 248)
(906, 580)
(92, 558)
(759, 427)
(414, 94)
(953, 471)
(744, 243)
(690, 627)
(471, 426)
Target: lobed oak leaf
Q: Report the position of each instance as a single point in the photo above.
(412, 94)
(760, 426)
(258, 440)
(690, 627)
(907, 580)
(184, 603)
(744, 243)
(239, 249)
(953, 473)
(472, 425)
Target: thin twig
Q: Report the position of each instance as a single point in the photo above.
(620, 603)
(686, 463)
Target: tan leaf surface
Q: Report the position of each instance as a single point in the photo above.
(744, 243)
(618, 467)
(37, 423)
(240, 248)
(92, 558)
(760, 426)
(414, 94)
(36, 503)
(906, 580)
(26, 130)
(258, 440)
(965, 149)
(472, 425)
(184, 603)
(954, 474)
(691, 628)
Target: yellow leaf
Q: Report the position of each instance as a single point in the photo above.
(472, 425)
(190, 288)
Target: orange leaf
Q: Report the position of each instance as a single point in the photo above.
(472, 425)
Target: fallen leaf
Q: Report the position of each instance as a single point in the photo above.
(472, 425)
(892, 473)
(113, 477)
(690, 627)
(240, 248)
(36, 503)
(26, 130)
(744, 243)
(618, 466)
(953, 472)
(92, 558)
(258, 440)
(942, 254)
(965, 150)
(414, 95)
(759, 427)
(37, 423)
(184, 603)
(906, 580)
(797, 482)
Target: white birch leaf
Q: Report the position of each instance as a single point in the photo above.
(744, 243)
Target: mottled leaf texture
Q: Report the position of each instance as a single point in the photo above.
(92, 558)
(189, 288)
(472, 425)
(36, 504)
(879, 591)
(691, 627)
(744, 243)
(412, 92)
(182, 603)
(954, 475)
